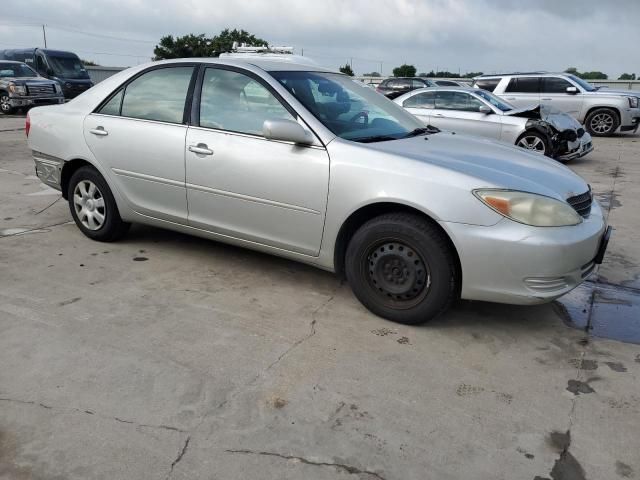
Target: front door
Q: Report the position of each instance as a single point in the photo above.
(460, 112)
(240, 184)
(554, 94)
(138, 135)
(421, 105)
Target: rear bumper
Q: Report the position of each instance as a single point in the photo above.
(518, 264)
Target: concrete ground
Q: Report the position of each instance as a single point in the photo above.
(169, 357)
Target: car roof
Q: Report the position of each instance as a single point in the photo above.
(269, 64)
(444, 89)
(12, 61)
(522, 74)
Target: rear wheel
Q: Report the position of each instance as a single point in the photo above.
(5, 104)
(535, 141)
(93, 207)
(602, 122)
(402, 268)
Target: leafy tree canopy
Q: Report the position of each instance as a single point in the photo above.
(201, 46)
(346, 69)
(372, 74)
(627, 76)
(404, 71)
(587, 75)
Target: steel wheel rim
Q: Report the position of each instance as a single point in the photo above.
(397, 273)
(89, 205)
(4, 103)
(602, 123)
(532, 142)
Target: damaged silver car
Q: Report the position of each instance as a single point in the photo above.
(477, 112)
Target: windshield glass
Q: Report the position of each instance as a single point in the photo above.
(347, 108)
(16, 70)
(67, 67)
(495, 101)
(585, 85)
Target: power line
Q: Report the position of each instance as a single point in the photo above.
(81, 32)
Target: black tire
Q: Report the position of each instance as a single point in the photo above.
(5, 107)
(602, 122)
(112, 226)
(537, 142)
(402, 268)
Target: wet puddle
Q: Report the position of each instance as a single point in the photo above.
(605, 311)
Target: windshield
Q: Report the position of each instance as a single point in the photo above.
(585, 85)
(16, 70)
(348, 109)
(493, 100)
(67, 67)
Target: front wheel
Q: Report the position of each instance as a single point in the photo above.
(5, 104)
(602, 122)
(402, 268)
(535, 141)
(93, 207)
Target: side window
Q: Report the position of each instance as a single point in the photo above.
(40, 66)
(158, 95)
(457, 101)
(555, 85)
(417, 84)
(523, 85)
(489, 84)
(421, 100)
(236, 102)
(112, 107)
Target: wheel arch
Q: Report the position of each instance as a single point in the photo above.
(365, 213)
(616, 110)
(68, 168)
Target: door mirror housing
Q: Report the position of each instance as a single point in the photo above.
(484, 109)
(287, 131)
(572, 90)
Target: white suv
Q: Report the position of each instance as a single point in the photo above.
(602, 110)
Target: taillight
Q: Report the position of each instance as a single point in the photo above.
(27, 124)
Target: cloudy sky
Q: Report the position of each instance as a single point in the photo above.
(465, 35)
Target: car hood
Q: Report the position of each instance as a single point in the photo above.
(611, 91)
(491, 164)
(31, 81)
(560, 120)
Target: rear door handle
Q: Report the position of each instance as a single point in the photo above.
(200, 149)
(100, 131)
(546, 99)
(511, 98)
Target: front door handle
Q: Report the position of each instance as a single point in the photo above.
(100, 131)
(200, 149)
(547, 99)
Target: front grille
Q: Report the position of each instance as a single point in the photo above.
(40, 89)
(582, 203)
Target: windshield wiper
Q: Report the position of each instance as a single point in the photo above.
(428, 130)
(374, 138)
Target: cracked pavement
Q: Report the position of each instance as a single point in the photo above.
(199, 360)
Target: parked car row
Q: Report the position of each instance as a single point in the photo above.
(394, 87)
(302, 162)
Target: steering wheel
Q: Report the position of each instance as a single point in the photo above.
(363, 114)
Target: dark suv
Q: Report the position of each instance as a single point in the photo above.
(394, 87)
(22, 87)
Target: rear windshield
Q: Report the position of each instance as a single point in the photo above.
(489, 84)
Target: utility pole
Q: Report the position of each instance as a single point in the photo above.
(380, 68)
(44, 35)
(302, 54)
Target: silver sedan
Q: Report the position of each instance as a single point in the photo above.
(478, 112)
(305, 163)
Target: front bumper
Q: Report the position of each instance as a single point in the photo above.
(630, 119)
(18, 102)
(518, 264)
(579, 148)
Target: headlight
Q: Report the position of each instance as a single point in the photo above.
(529, 208)
(633, 102)
(17, 89)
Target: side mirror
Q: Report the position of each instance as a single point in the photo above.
(572, 90)
(484, 109)
(287, 131)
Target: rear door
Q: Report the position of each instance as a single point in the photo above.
(138, 136)
(460, 112)
(554, 94)
(421, 105)
(523, 91)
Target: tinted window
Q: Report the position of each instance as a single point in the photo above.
(158, 95)
(421, 100)
(489, 84)
(16, 70)
(523, 85)
(447, 83)
(112, 107)
(457, 101)
(233, 101)
(418, 84)
(555, 85)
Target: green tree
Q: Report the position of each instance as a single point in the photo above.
(596, 75)
(472, 74)
(372, 74)
(346, 69)
(89, 63)
(627, 76)
(201, 46)
(404, 71)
